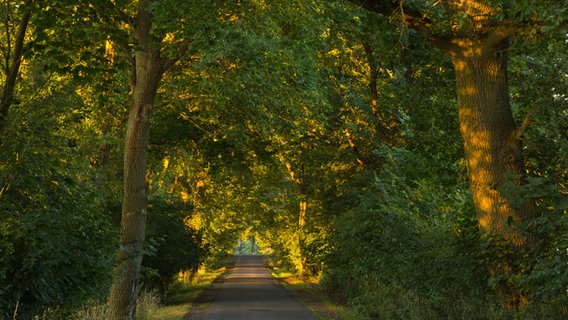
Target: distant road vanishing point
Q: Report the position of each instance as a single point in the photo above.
(251, 292)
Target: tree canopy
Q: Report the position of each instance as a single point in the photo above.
(407, 152)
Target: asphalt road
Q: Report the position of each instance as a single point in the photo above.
(251, 292)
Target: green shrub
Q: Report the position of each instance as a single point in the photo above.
(56, 243)
(173, 246)
(545, 279)
(410, 250)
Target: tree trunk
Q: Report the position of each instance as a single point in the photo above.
(252, 244)
(148, 71)
(302, 214)
(13, 67)
(493, 152)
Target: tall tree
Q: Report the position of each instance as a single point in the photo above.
(149, 66)
(153, 36)
(476, 35)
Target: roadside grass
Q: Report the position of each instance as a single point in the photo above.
(185, 293)
(323, 304)
(182, 297)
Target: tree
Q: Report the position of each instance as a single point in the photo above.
(152, 36)
(12, 56)
(148, 68)
(56, 240)
(476, 35)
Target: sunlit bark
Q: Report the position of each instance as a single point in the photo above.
(492, 150)
(302, 214)
(487, 128)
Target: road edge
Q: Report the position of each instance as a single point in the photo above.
(200, 304)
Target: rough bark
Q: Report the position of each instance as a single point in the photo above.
(148, 71)
(492, 150)
(487, 127)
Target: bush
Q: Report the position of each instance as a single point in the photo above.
(173, 246)
(56, 244)
(410, 250)
(546, 276)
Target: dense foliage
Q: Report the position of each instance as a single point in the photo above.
(326, 133)
(56, 238)
(173, 246)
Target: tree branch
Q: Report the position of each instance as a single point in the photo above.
(8, 40)
(526, 122)
(409, 17)
(182, 49)
(14, 68)
(123, 16)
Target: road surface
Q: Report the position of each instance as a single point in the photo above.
(251, 292)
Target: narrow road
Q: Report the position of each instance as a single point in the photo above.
(251, 292)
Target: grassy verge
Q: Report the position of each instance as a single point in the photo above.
(186, 295)
(323, 304)
(194, 294)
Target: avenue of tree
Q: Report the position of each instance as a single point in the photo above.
(408, 155)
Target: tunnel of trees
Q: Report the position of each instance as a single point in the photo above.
(410, 156)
